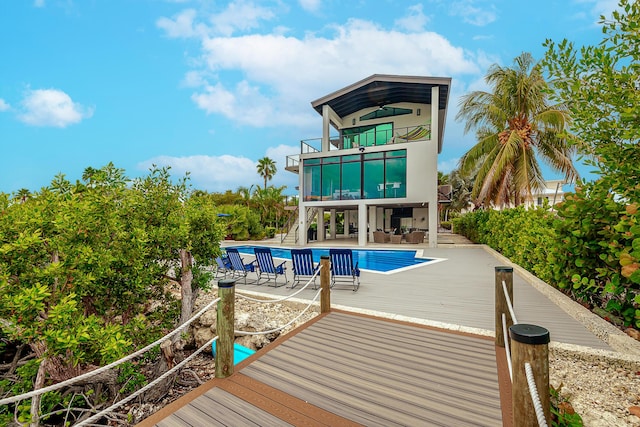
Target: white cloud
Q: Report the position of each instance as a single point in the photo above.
(181, 26)
(415, 20)
(221, 173)
(38, 3)
(211, 173)
(472, 14)
(310, 5)
(4, 106)
(240, 15)
(282, 74)
(51, 107)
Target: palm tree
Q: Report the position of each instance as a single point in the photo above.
(266, 169)
(514, 124)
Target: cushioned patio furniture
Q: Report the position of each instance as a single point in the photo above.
(415, 237)
(266, 267)
(396, 238)
(381, 237)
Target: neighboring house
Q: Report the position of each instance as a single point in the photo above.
(552, 193)
(377, 159)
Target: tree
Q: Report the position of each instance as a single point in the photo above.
(601, 221)
(601, 86)
(266, 169)
(84, 269)
(514, 124)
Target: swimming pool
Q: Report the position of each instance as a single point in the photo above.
(375, 260)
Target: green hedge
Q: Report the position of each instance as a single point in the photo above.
(590, 249)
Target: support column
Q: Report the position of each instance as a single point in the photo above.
(372, 223)
(321, 233)
(432, 165)
(362, 225)
(332, 224)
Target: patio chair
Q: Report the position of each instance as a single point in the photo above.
(239, 268)
(343, 268)
(223, 267)
(303, 266)
(381, 237)
(267, 267)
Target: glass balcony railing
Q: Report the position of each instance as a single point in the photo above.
(370, 138)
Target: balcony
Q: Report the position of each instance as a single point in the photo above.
(365, 139)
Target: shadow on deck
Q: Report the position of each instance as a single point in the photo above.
(352, 369)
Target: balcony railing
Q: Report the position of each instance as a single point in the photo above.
(369, 139)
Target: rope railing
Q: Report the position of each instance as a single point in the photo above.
(533, 390)
(286, 297)
(132, 396)
(317, 295)
(509, 303)
(322, 270)
(105, 368)
(528, 351)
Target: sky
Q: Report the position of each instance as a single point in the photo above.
(209, 87)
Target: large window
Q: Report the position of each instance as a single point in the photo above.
(366, 136)
(369, 176)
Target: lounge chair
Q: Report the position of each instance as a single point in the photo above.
(223, 267)
(303, 266)
(343, 268)
(267, 267)
(239, 268)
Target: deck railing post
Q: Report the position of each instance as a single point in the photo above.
(325, 284)
(225, 320)
(502, 274)
(529, 344)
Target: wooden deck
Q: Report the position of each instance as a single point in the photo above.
(349, 369)
(355, 369)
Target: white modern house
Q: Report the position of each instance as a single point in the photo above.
(376, 162)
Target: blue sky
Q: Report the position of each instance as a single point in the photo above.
(210, 87)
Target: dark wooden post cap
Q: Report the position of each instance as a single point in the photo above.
(324, 256)
(227, 283)
(504, 269)
(529, 334)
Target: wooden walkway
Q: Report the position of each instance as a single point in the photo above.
(349, 369)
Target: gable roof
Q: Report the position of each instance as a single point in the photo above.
(383, 89)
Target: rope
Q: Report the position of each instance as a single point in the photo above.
(106, 367)
(507, 346)
(282, 327)
(537, 405)
(508, 300)
(284, 298)
(100, 414)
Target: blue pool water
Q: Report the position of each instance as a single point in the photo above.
(384, 261)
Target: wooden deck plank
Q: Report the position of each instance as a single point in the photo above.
(367, 391)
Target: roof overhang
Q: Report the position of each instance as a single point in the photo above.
(382, 89)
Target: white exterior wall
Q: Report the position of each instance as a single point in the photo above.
(422, 174)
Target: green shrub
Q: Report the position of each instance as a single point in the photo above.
(590, 250)
(270, 232)
(446, 225)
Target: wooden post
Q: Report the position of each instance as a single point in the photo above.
(325, 284)
(529, 344)
(506, 274)
(225, 320)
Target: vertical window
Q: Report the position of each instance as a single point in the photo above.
(351, 179)
(373, 176)
(311, 179)
(331, 178)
